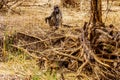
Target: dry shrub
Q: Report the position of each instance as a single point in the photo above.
(72, 3)
(1, 4)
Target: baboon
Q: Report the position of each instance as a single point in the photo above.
(55, 19)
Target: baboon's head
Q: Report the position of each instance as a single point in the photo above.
(56, 9)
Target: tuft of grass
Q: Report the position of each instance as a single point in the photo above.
(49, 76)
(19, 65)
(35, 77)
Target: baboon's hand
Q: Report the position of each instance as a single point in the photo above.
(46, 19)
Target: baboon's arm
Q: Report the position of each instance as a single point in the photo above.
(49, 17)
(46, 19)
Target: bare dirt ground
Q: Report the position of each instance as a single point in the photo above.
(31, 21)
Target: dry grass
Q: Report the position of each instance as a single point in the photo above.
(18, 66)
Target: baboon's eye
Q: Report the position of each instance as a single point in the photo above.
(57, 7)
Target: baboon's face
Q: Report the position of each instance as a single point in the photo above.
(56, 9)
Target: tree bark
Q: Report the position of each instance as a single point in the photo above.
(96, 11)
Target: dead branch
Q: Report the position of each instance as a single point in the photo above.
(32, 55)
(81, 67)
(105, 33)
(66, 55)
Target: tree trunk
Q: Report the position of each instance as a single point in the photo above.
(96, 11)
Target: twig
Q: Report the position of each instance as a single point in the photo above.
(98, 60)
(67, 55)
(105, 33)
(108, 60)
(81, 67)
(40, 40)
(32, 55)
(11, 8)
